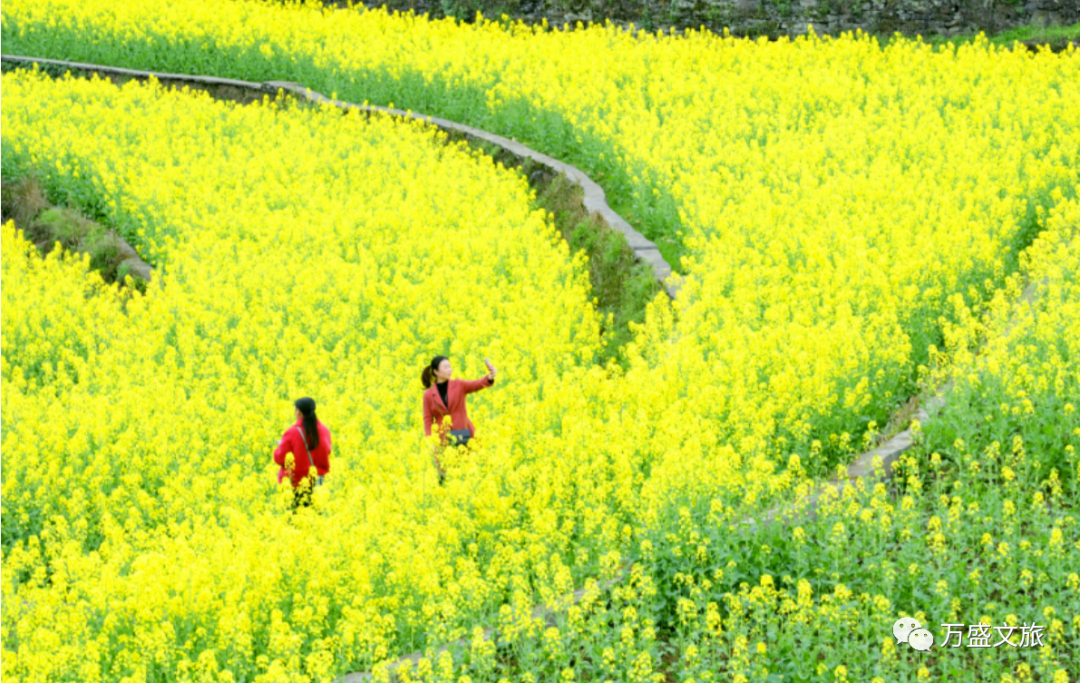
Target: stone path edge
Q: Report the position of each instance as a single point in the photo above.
(541, 612)
(877, 463)
(594, 201)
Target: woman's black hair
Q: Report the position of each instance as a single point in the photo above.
(306, 406)
(428, 376)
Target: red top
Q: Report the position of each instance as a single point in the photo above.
(293, 443)
(456, 390)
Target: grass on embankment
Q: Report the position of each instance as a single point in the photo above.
(622, 285)
(1057, 37)
(49, 227)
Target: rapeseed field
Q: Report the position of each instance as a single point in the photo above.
(850, 220)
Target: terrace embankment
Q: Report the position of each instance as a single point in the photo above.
(49, 226)
(626, 270)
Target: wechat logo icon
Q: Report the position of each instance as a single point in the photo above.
(921, 639)
(910, 631)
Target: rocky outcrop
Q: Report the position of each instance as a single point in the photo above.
(769, 17)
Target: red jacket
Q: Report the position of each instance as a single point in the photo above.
(456, 390)
(293, 443)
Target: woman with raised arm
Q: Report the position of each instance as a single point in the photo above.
(446, 396)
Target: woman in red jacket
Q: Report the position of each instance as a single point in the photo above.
(445, 396)
(309, 442)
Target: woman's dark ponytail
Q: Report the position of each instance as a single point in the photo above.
(428, 376)
(306, 406)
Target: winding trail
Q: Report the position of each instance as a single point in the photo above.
(594, 201)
